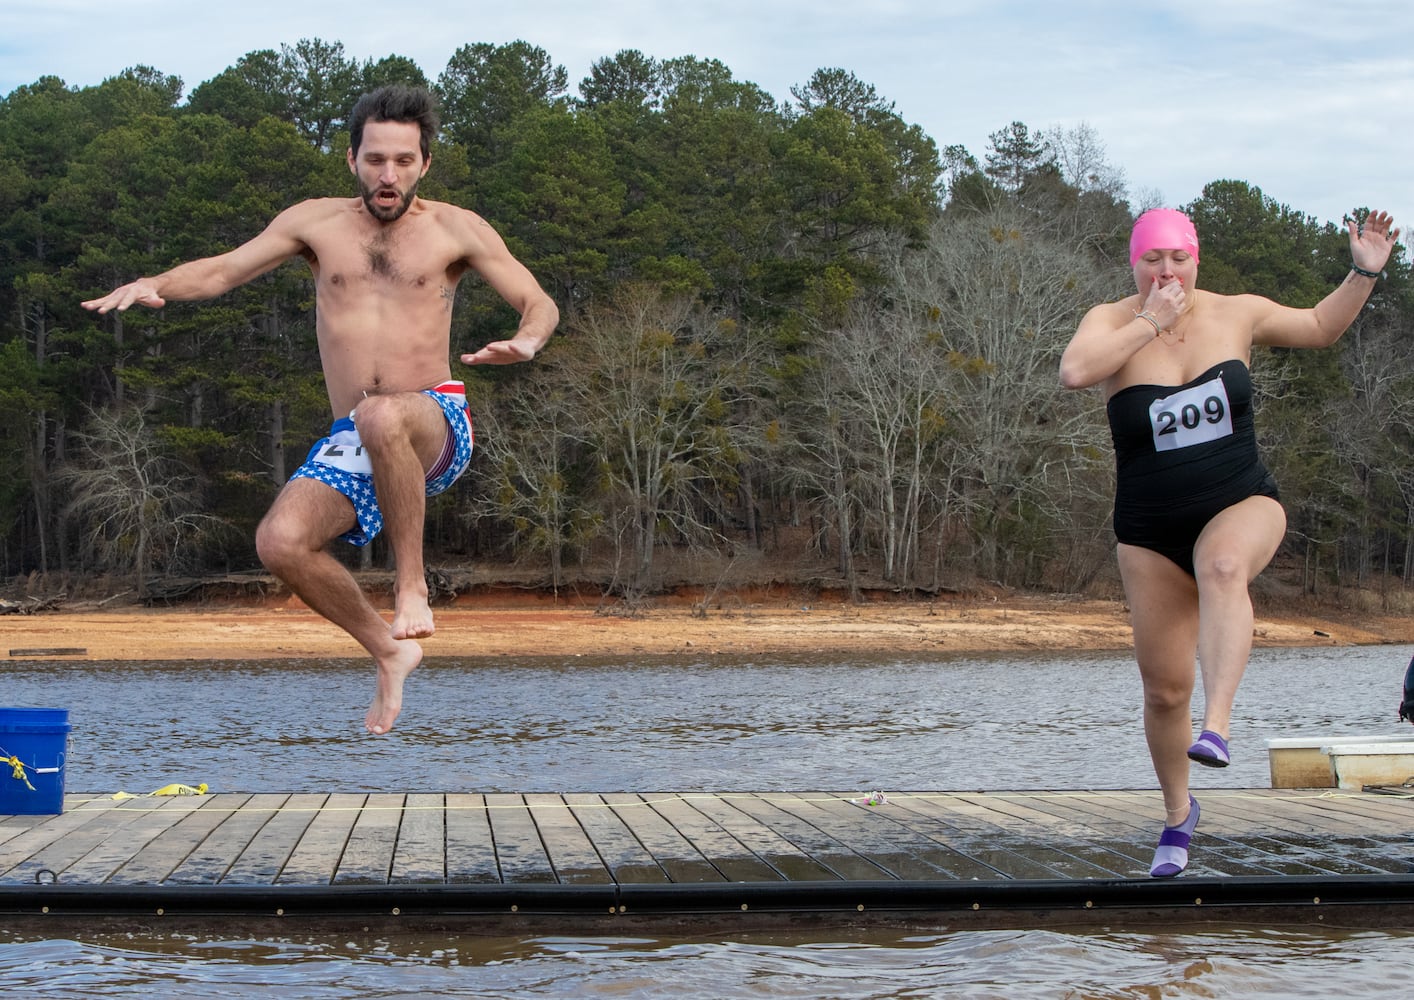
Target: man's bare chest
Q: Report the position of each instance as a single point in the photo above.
(411, 254)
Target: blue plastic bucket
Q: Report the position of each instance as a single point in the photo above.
(33, 745)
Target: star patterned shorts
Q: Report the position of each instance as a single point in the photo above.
(340, 462)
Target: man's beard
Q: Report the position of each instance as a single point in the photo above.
(386, 214)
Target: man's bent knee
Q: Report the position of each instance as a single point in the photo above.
(283, 539)
(377, 416)
(277, 545)
(399, 419)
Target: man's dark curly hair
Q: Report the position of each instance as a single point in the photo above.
(395, 103)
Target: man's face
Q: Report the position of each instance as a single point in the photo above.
(388, 166)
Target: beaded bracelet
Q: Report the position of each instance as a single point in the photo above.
(1368, 274)
(1147, 315)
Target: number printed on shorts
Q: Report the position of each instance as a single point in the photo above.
(344, 450)
(1193, 416)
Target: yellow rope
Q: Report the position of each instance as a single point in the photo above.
(18, 771)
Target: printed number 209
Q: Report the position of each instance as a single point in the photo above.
(1189, 416)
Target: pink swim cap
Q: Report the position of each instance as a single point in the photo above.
(1162, 229)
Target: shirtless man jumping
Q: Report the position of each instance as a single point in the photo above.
(386, 266)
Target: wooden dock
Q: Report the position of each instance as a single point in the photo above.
(587, 862)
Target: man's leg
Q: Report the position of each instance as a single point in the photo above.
(291, 541)
(404, 434)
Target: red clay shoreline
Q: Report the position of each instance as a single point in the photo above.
(540, 627)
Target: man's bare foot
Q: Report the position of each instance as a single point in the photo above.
(388, 693)
(412, 617)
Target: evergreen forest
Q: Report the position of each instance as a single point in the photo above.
(801, 342)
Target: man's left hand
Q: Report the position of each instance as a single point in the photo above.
(500, 352)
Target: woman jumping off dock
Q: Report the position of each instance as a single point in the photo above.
(1196, 514)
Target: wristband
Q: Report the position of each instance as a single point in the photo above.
(1364, 273)
(1149, 317)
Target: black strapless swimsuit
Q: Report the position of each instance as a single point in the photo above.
(1183, 454)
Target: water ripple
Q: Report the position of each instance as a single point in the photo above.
(1236, 961)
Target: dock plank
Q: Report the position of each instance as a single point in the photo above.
(1365, 811)
(785, 858)
(974, 831)
(151, 818)
(1226, 819)
(673, 852)
(1213, 852)
(158, 859)
(471, 849)
(572, 854)
(1127, 837)
(265, 857)
(1131, 826)
(51, 843)
(834, 854)
(13, 826)
(519, 849)
(730, 850)
(621, 852)
(873, 832)
(1283, 839)
(1357, 807)
(1066, 834)
(316, 857)
(420, 855)
(368, 855)
(723, 851)
(213, 857)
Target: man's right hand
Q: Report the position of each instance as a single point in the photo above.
(140, 292)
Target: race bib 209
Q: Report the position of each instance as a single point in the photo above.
(1193, 416)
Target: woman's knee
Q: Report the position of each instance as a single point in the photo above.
(1238, 543)
(1222, 569)
(1170, 692)
(1168, 699)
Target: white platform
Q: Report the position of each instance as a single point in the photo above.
(1341, 761)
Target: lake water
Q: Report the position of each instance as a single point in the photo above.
(1002, 721)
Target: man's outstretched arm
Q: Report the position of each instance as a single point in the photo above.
(211, 276)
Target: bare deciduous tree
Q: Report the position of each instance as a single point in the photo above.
(137, 507)
(528, 447)
(1372, 434)
(869, 417)
(1005, 298)
(1080, 155)
(655, 385)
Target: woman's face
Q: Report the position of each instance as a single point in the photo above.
(1167, 266)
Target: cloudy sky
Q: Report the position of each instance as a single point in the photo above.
(1310, 100)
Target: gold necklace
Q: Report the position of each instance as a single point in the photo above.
(1183, 320)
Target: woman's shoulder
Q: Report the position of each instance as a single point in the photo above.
(1124, 308)
(1235, 303)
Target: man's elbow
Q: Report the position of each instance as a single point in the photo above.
(549, 314)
